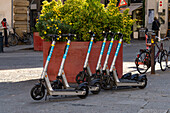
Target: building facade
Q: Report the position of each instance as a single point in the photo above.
(5, 10)
(143, 10)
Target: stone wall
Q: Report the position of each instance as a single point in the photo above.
(20, 16)
(153, 4)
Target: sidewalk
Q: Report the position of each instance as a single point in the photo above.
(18, 47)
(20, 63)
(19, 71)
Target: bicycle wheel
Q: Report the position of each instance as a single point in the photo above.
(164, 60)
(28, 39)
(12, 40)
(143, 62)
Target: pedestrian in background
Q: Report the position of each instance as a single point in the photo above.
(155, 25)
(5, 26)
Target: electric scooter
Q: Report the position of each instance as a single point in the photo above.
(60, 86)
(99, 67)
(86, 74)
(105, 70)
(85, 77)
(112, 78)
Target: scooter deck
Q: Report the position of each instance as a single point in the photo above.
(67, 92)
(93, 88)
(127, 81)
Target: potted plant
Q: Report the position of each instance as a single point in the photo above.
(38, 42)
(80, 16)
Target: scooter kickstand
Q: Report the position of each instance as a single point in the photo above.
(46, 97)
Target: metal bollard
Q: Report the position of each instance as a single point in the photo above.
(1, 43)
(153, 53)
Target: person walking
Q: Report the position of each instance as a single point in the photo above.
(155, 25)
(5, 26)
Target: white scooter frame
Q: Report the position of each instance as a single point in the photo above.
(38, 91)
(141, 81)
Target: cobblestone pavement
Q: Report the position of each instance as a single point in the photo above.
(19, 70)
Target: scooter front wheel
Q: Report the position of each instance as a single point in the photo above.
(84, 88)
(37, 92)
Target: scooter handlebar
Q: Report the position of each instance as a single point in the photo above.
(120, 35)
(112, 34)
(91, 33)
(53, 35)
(68, 35)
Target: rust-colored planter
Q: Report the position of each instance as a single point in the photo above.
(76, 57)
(38, 42)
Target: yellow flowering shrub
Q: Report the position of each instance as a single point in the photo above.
(80, 16)
(49, 21)
(119, 22)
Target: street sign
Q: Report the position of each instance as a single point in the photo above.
(122, 3)
(160, 6)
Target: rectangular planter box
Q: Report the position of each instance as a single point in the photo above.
(38, 42)
(76, 57)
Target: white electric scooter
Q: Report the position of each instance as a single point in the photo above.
(113, 80)
(60, 86)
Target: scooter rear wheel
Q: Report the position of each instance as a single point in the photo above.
(97, 84)
(57, 84)
(84, 88)
(107, 83)
(144, 80)
(37, 92)
(81, 77)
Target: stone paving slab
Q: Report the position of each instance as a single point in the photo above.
(15, 86)
(152, 111)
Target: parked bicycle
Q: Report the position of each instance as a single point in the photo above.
(143, 60)
(14, 38)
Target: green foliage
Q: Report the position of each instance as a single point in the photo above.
(50, 22)
(80, 16)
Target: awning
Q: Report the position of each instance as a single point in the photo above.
(132, 7)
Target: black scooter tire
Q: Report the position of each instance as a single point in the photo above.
(81, 77)
(105, 85)
(97, 84)
(142, 87)
(84, 88)
(37, 92)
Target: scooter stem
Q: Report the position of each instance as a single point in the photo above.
(101, 53)
(64, 58)
(48, 60)
(88, 53)
(108, 54)
(116, 54)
